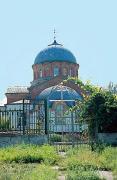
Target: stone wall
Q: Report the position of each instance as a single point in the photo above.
(19, 139)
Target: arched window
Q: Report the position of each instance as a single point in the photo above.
(40, 72)
(70, 72)
(56, 71)
(47, 71)
(65, 71)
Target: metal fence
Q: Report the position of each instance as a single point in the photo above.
(63, 131)
(24, 120)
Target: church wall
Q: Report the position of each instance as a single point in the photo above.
(48, 69)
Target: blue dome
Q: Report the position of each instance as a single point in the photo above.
(55, 53)
(60, 93)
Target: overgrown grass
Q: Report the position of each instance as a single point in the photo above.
(15, 171)
(29, 154)
(34, 162)
(108, 158)
(83, 175)
(81, 160)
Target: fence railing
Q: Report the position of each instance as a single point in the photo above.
(21, 122)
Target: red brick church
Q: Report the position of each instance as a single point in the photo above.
(51, 66)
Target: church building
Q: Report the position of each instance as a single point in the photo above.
(51, 67)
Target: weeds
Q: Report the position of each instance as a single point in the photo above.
(29, 154)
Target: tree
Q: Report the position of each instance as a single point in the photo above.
(98, 108)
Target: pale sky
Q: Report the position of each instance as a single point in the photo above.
(86, 27)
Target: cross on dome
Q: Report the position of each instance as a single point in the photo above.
(55, 42)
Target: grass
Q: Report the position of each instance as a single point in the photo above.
(29, 154)
(35, 162)
(27, 172)
(81, 161)
(28, 162)
(83, 175)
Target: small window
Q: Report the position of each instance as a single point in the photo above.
(65, 71)
(56, 71)
(70, 72)
(40, 73)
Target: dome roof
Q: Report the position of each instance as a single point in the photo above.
(60, 92)
(55, 53)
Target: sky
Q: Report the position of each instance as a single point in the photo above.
(86, 27)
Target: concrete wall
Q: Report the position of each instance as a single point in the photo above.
(109, 138)
(18, 139)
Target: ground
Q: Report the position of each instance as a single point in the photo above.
(30, 162)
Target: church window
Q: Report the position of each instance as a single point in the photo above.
(64, 71)
(47, 73)
(56, 71)
(70, 72)
(40, 73)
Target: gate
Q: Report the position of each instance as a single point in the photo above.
(64, 128)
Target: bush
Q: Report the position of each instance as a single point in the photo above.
(29, 154)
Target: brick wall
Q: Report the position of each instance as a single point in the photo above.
(48, 69)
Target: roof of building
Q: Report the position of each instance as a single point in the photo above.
(17, 89)
(59, 93)
(20, 102)
(55, 52)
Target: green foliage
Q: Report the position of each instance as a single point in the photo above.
(4, 123)
(79, 163)
(98, 146)
(43, 172)
(29, 154)
(85, 159)
(61, 138)
(84, 175)
(27, 171)
(98, 108)
(56, 138)
(108, 158)
(101, 111)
